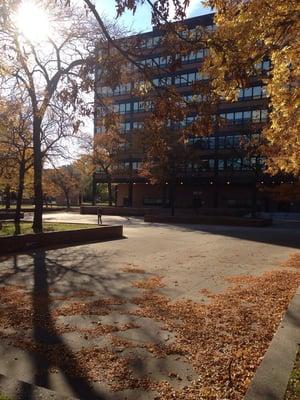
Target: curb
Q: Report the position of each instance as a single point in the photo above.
(272, 376)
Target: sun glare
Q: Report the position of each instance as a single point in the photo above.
(32, 21)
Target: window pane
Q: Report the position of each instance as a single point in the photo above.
(264, 115)
(257, 92)
(256, 115)
(221, 142)
(220, 165)
(247, 116)
(238, 116)
(248, 92)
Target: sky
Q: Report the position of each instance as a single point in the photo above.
(141, 21)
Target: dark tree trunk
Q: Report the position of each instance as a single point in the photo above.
(38, 171)
(116, 195)
(67, 197)
(19, 198)
(110, 197)
(7, 197)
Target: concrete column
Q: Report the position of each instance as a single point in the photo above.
(130, 194)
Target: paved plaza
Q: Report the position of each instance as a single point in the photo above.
(63, 286)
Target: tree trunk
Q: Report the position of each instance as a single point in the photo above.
(19, 198)
(38, 173)
(110, 198)
(67, 200)
(7, 197)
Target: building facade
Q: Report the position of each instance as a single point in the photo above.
(224, 176)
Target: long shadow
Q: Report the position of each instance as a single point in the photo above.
(286, 234)
(44, 332)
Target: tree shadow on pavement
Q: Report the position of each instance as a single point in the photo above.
(286, 234)
(44, 332)
(64, 273)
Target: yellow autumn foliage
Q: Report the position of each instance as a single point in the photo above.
(247, 32)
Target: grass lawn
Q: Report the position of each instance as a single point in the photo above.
(293, 389)
(8, 228)
(2, 397)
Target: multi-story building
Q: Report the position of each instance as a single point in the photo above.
(224, 175)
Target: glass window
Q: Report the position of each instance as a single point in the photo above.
(257, 92)
(266, 65)
(200, 54)
(221, 142)
(122, 108)
(192, 56)
(237, 163)
(238, 116)
(229, 142)
(264, 115)
(247, 116)
(199, 76)
(264, 92)
(136, 165)
(229, 163)
(230, 116)
(247, 92)
(221, 165)
(211, 141)
(256, 115)
(245, 164)
(253, 161)
(137, 125)
(236, 141)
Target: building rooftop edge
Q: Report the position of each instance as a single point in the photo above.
(205, 19)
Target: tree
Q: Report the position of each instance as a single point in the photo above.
(167, 137)
(63, 181)
(241, 41)
(49, 71)
(103, 151)
(17, 148)
(84, 167)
